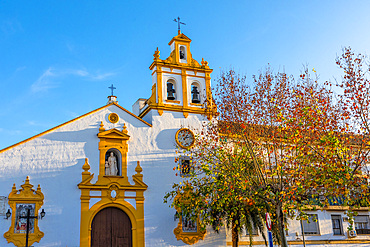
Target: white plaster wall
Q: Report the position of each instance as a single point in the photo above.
(54, 160)
(159, 176)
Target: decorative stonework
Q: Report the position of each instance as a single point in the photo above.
(112, 187)
(19, 201)
(188, 237)
(113, 118)
(178, 66)
(189, 233)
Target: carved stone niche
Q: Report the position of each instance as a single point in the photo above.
(20, 201)
(113, 154)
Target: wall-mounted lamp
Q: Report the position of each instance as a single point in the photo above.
(8, 214)
(42, 214)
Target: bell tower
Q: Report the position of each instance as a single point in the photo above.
(179, 83)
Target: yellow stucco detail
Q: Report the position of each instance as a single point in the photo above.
(26, 195)
(349, 242)
(106, 184)
(113, 117)
(187, 237)
(179, 141)
(173, 62)
(184, 92)
(159, 86)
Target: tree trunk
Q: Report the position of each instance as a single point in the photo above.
(235, 234)
(280, 218)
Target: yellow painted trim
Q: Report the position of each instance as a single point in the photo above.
(187, 237)
(173, 101)
(113, 117)
(119, 184)
(181, 67)
(73, 120)
(29, 196)
(173, 62)
(116, 139)
(334, 208)
(177, 138)
(106, 184)
(180, 37)
(352, 241)
(184, 89)
(196, 104)
(179, 108)
(159, 87)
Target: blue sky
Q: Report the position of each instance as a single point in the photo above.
(58, 58)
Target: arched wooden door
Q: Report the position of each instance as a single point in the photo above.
(111, 227)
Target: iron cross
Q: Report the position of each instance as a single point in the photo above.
(112, 88)
(178, 23)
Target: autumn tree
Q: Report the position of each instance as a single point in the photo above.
(284, 145)
(215, 190)
(355, 103)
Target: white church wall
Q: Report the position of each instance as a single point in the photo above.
(54, 160)
(159, 175)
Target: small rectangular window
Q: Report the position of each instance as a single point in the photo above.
(185, 166)
(337, 224)
(362, 224)
(311, 227)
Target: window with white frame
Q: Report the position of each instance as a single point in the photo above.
(362, 224)
(311, 226)
(337, 224)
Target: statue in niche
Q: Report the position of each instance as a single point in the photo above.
(111, 168)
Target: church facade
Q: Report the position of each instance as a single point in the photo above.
(100, 179)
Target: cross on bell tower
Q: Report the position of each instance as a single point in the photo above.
(178, 24)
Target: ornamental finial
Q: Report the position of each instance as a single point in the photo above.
(156, 54)
(101, 129)
(138, 168)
